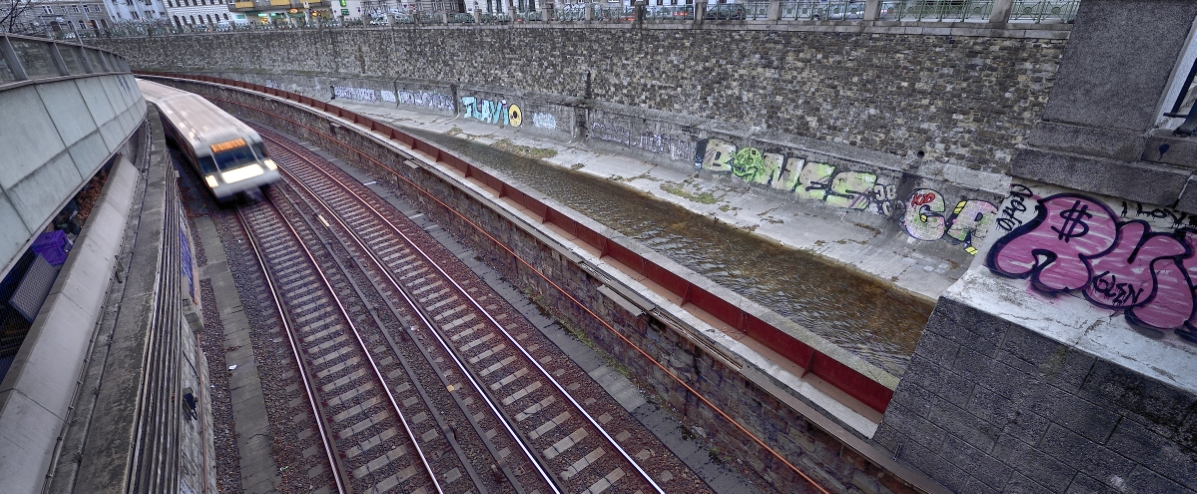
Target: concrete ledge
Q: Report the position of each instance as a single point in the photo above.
(36, 394)
(1137, 181)
(971, 29)
(1115, 144)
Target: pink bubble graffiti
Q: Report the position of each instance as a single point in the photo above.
(1075, 243)
(1054, 248)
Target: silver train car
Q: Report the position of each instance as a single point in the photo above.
(228, 155)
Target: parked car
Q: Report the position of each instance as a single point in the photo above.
(726, 11)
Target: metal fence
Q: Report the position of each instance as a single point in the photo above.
(1035, 11)
(1030, 11)
(24, 58)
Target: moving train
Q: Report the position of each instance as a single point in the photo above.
(228, 155)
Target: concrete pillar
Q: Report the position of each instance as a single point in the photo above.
(774, 10)
(590, 12)
(477, 15)
(1001, 11)
(872, 10)
(445, 17)
(510, 6)
(700, 11)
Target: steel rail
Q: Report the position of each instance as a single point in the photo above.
(365, 349)
(517, 438)
(515, 343)
(357, 287)
(317, 412)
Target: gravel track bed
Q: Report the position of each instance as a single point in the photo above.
(435, 371)
(287, 409)
(228, 461)
(368, 310)
(332, 357)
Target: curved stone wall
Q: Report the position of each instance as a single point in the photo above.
(867, 96)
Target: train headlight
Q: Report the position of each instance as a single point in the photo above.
(211, 179)
(270, 165)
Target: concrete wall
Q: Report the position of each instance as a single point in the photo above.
(1065, 360)
(38, 393)
(56, 136)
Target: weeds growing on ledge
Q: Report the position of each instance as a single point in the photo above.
(680, 191)
(525, 151)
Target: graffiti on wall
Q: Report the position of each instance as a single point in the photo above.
(544, 121)
(927, 218)
(355, 93)
(924, 214)
(491, 111)
(676, 148)
(388, 96)
(427, 99)
(1140, 261)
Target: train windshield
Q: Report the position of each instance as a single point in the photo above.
(235, 158)
(232, 154)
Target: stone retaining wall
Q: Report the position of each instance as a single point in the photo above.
(965, 100)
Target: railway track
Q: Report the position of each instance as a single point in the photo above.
(484, 375)
(369, 443)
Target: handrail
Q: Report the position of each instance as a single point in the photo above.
(1033, 12)
(29, 58)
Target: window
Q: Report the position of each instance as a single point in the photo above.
(74, 9)
(134, 15)
(48, 9)
(210, 19)
(226, 17)
(149, 14)
(149, 2)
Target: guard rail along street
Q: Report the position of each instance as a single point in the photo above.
(897, 13)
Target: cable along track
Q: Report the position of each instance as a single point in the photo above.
(551, 429)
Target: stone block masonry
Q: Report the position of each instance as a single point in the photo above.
(987, 404)
(954, 99)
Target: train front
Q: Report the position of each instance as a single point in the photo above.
(237, 166)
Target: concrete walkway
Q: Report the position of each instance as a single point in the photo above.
(259, 473)
(866, 243)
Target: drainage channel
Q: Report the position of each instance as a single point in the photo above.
(864, 316)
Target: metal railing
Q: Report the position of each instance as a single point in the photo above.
(1035, 11)
(572, 13)
(671, 13)
(25, 58)
(1044, 11)
(1029, 11)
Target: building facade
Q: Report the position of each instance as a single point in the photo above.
(198, 12)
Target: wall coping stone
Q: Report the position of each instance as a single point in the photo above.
(969, 29)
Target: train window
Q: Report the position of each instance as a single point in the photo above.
(260, 150)
(207, 164)
(234, 158)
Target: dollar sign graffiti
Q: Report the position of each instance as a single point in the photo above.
(1072, 219)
